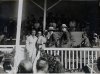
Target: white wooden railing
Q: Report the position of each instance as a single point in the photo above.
(71, 58)
(75, 58)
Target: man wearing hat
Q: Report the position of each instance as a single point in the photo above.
(51, 38)
(95, 39)
(65, 38)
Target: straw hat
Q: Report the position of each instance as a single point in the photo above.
(64, 26)
(95, 34)
(51, 29)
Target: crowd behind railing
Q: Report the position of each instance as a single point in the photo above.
(57, 34)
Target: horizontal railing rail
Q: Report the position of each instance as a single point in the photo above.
(71, 58)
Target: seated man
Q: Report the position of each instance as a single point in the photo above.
(85, 41)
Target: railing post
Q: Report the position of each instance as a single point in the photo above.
(62, 57)
(92, 60)
(51, 52)
(69, 61)
(77, 59)
(73, 59)
(81, 59)
(88, 58)
(84, 58)
(66, 59)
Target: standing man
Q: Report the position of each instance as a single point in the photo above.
(51, 38)
(31, 46)
(65, 38)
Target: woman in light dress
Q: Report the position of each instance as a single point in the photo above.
(31, 46)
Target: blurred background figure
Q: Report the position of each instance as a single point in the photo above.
(37, 26)
(42, 66)
(58, 66)
(53, 24)
(72, 25)
(25, 66)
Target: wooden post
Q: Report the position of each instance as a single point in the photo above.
(19, 19)
(44, 20)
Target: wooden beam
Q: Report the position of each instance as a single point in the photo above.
(37, 4)
(54, 5)
(8, 0)
(45, 11)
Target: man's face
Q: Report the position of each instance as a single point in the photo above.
(33, 32)
(51, 32)
(39, 33)
(63, 29)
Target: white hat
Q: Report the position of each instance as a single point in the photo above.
(51, 28)
(64, 26)
(95, 33)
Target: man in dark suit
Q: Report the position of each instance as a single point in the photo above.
(65, 38)
(51, 38)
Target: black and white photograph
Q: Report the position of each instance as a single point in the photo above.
(50, 36)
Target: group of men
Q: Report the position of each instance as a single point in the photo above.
(64, 38)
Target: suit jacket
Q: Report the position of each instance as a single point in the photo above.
(51, 41)
(64, 40)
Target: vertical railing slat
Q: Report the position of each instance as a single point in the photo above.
(69, 61)
(88, 58)
(96, 55)
(54, 52)
(47, 51)
(92, 59)
(84, 58)
(77, 59)
(62, 57)
(51, 52)
(81, 59)
(58, 52)
(65, 59)
(73, 59)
